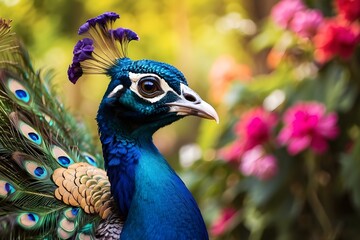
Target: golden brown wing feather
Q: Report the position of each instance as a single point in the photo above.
(83, 185)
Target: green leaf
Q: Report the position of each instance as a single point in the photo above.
(331, 86)
(350, 174)
(262, 193)
(268, 37)
(339, 92)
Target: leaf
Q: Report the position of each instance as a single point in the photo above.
(339, 92)
(262, 193)
(267, 38)
(331, 86)
(350, 164)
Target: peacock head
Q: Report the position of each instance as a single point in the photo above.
(142, 94)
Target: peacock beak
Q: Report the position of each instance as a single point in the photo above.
(190, 103)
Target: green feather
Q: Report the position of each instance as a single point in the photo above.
(38, 135)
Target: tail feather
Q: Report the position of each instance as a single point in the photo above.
(38, 136)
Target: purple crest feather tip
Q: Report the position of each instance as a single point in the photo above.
(75, 72)
(108, 16)
(83, 50)
(84, 28)
(123, 34)
(101, 20)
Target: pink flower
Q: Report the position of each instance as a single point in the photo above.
(349, 9)
(222, 222)
(307, 125)
(232, 153)
(256, 163)
(335, 39)
(306, 23)
(255, 127)
(284, 11)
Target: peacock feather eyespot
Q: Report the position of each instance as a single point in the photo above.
(6, 188)
(22, 95)
(61, 156)
(101, 47)
(36, 170)
(75, 211)
(64, 160)
(39, 171)
(66, 228)
(90, 159)
(34, 136)
(30, 133)
(19, 91)
(28, 220)
(86, 232)
(32, 166)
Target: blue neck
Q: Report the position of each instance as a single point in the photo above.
(148, 192)
(121, 158)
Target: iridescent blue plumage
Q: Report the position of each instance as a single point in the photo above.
(162, 207)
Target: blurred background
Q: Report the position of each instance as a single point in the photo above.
(284, 76)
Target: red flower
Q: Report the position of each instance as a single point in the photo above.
(349, 9)
(335, 39)
(255, 127)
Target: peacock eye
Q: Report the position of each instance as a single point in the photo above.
(149, 87)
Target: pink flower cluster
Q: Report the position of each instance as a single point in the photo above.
(255, 127)
(253, 130)
(306, 125)
(337, 36)
(294, 15)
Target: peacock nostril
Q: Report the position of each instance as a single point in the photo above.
(190, 97)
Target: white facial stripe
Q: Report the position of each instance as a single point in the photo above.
(135, 77)
(115, 90)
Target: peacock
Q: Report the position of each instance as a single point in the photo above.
(53, 182)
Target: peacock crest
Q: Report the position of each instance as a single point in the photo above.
(101, 47)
